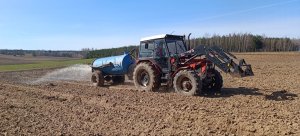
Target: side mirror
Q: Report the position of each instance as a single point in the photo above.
(146, 46)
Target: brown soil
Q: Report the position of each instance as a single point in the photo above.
(266, 104)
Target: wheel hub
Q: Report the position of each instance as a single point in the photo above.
(187, 85)
(144, 79)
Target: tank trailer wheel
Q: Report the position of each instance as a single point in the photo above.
(187, 82)
(118, 79)
(97, 78)
(146, 78)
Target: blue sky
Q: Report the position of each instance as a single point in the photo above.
(77, 24)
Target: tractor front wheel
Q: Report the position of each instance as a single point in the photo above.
(146, 78)
(187, 82)
(216, 83)
(97, 78)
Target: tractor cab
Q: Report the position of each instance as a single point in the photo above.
(160, 49)
(162, 45)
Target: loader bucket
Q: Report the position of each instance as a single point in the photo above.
(241, 70)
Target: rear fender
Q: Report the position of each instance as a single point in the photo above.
(152, 62)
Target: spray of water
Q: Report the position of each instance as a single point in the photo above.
(72, 73)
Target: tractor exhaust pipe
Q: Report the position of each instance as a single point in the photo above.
(189, 41)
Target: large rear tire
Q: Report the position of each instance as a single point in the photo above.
(146, 78)
(97, 78)
(187, 82)
(118, 79)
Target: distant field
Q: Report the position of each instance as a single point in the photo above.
(28, 59)
(11, 63)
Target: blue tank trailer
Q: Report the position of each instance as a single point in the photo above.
(112, 69)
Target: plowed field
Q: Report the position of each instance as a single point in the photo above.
(265, 104)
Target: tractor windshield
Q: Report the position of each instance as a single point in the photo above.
(175, 47)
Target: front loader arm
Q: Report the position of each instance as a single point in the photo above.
(225, 61)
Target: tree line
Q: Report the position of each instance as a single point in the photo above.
(231, 42)
(248, 43)
(36, 53)
(110, 52)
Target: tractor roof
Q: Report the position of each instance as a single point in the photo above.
(159, 37)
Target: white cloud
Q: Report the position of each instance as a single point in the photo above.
(248, 10)
(276, 28)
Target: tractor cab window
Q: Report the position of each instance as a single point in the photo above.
(146, 49)
(160, 48)
(175, 47)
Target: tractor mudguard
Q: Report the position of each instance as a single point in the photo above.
(152, 61)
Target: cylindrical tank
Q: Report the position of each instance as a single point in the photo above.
(115, 65)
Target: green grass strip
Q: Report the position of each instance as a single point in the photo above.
(43, 65)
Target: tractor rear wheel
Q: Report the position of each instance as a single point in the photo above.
(146, 78)
(187, 82)
(118, 79)
(97, 78)
(216, 83)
